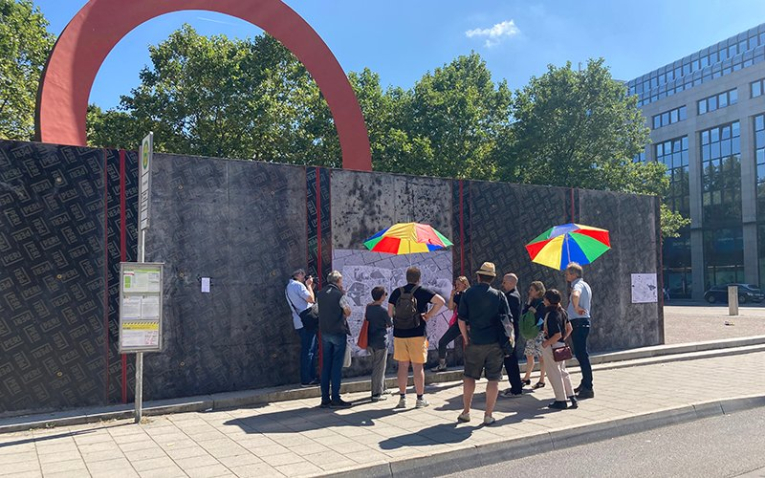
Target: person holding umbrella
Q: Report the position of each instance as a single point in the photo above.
(579, 310)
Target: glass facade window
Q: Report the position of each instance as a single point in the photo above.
(718, 60)
(674, 155)
(721, 203)
(757, 87)
(759, 159)
(715, 102)
(669, 117)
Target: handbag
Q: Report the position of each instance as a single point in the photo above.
(363, 341)
(561, 354)
(347, 358)
(309, 317)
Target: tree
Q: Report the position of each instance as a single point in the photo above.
(581, 129)
(214, 96)
(459, 111)
(24, 47)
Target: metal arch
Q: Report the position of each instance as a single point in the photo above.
(98, 27)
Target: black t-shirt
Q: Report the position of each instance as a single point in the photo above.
(379, 321)
(480, 308)
(423, 297)
(556, 322)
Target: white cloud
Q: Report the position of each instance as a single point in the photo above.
(495, 34)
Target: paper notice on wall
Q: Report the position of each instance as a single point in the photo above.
(644, 289)
(206, 284)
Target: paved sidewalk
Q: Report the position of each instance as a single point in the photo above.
(297, 438)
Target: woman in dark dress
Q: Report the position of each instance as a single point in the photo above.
(460, 286)
(535, 304)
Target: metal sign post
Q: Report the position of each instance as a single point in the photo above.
(145, 155)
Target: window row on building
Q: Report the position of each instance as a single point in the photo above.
(727, 56)
(718, 101)
(670, 117)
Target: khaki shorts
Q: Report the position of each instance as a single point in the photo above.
(480, 357)
(410, 349)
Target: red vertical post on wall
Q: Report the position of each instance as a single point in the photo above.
(123, 255)
(318, 253)
(462, 234)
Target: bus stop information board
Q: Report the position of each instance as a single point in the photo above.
(140, 307)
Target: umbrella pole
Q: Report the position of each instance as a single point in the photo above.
(568, 250)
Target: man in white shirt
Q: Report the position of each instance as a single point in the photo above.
(580, 314)
(300, 296)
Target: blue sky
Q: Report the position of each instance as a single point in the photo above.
(402, 39)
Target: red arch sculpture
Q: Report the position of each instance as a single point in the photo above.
(98, 27)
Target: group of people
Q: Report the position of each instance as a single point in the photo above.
(486, 319)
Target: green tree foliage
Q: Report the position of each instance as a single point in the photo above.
(214, 96)
(580, 129)
(24, 47)
(460, 112)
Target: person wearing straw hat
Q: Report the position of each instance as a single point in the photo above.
(480, 319)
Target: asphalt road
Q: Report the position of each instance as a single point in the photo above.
(723, 446)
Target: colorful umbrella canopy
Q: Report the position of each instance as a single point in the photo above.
(560, 245)
(407, 238)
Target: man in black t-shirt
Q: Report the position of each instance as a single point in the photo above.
(410, 343)
(482, 308)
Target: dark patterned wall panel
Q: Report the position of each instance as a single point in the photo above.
(122, 195)
(319, 225)
(242, 224)
(52, 278)
(631, 221)
(505, 217)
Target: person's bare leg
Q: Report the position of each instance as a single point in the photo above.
(529, 367)
(418, 370)
(541, 369)
(403, 375)
(468, 388)
(492, 390)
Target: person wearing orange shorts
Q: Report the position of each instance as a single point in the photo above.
(410, 308)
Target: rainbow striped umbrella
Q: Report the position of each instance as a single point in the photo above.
(407, 238)
(560, 245)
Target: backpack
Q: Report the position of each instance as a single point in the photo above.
(406, 316)
(528, 326)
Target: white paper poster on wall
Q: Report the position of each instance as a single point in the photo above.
(644, 289)
(362, 270)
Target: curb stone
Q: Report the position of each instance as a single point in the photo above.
(488, 454)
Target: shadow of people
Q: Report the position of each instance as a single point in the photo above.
(436, 435)
(312, 418)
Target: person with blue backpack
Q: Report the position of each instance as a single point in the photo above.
(531, 324)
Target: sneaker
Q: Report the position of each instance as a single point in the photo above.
(585, 394)
(558, 405)
(379, 398)
(305, 385)
(509, 394)
(324, 404)
(487, 420)
(463, 417)
(574, 403)
(315, 381)
(401, 402)
(340, 404)
(439, 368)
(421, 403)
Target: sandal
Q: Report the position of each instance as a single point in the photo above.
(526, 382)
(538, 385)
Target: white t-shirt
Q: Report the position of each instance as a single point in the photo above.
(298, 294)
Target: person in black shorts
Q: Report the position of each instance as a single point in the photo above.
(481, 310)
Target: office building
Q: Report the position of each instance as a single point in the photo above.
(706, 112)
